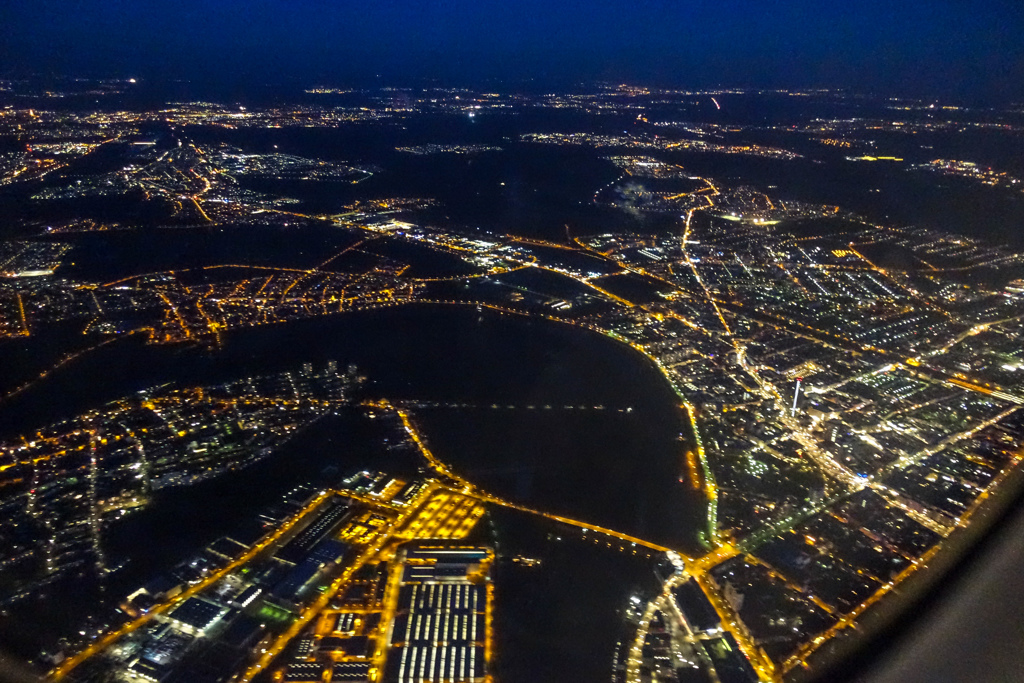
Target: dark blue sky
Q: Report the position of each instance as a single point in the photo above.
(960, 46)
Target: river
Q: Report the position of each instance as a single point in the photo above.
(606, 450)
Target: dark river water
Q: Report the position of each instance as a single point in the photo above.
(617, 466)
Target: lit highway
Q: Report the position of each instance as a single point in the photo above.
(258, 548)
(911, 377)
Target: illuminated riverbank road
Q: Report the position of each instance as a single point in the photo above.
(471, 490)
(272, 540)
(497, 270)
(435, 464)
(708, 480)
(241, 266)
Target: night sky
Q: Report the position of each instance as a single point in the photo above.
(963, 47)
